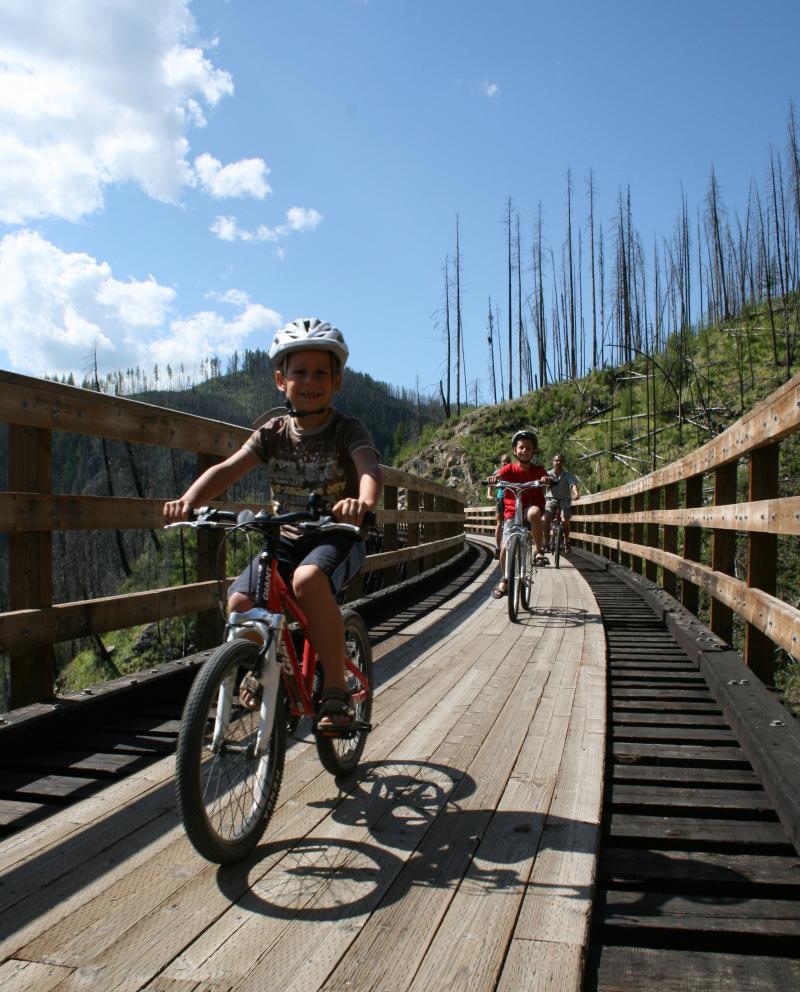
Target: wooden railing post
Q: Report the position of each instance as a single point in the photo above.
(430, 531)
(762, 554)
(606, 529)
(668, 579)
(30, 565)
(653, 503)
(723, 550)
(209, 566)
(638, 532)
(413, 505)
(691, 543)
(623, 529)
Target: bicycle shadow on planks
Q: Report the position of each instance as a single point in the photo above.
(418, 832)
(559, 616)
(405, 827)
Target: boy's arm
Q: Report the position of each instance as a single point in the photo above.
(211, 483)
(370, 485)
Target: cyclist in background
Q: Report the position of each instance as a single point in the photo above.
(311, 448)
(560, 494)
(496, 493)
(525, 446)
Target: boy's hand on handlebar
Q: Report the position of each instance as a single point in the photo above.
(177, 509)
(350, 511)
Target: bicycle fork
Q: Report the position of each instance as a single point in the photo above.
(269, 629)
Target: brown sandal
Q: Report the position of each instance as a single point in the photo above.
(498, 592)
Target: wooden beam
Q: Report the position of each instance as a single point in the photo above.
(762, 560)
(691, 542)
(30, 565)
(723, 550)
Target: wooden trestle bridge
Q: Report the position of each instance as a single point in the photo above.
(604, 795)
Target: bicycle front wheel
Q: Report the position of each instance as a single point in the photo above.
(229, 762)
(557, 541)
(526, 574)
(340, 755)
(515, 576)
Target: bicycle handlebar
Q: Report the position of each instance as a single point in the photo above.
(212, 517)
(535, 484)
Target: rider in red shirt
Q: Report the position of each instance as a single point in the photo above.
(525, 447)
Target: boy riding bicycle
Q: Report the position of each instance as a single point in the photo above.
(312, 448)
(562, 490)
(525, 445)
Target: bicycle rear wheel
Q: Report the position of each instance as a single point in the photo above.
(515, 577)
(340, 755)
(227, 787)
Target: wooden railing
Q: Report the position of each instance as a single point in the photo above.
(656, 526)
(421, 522)
(480, 519)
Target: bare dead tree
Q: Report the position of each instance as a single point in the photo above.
(459, 343)
(572, 362)
(446, 393)
(490, 339)
(510, 313)
(591, 252)
(714, 208)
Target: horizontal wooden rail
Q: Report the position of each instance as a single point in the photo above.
(31, 402)
(771, 516)
(67, 621)
(21, 512)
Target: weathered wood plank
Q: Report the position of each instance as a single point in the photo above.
(682, 970)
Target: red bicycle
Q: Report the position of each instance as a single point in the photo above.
(230, 757)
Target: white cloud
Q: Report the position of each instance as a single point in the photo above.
(208, 333)
(248, 177)
(302, 218)
(236, 297)
(491, 89)
(94, 93)
(56, 308)
(227, 228)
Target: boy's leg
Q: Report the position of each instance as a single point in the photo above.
(312, 589)
(501, 587)
(535, 520)
(498, 534)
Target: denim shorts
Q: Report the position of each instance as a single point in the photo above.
(337, 555)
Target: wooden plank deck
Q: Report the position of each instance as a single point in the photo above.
(462, 856)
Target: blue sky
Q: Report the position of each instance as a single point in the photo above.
(177, 179)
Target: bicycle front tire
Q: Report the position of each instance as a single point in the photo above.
(557, 540)
(515, 578)
(226, 792)
(341, 755)
(526, 574)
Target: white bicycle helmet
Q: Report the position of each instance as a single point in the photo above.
(306, 333)
(526, 433)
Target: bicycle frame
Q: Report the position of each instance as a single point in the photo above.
(270, 624)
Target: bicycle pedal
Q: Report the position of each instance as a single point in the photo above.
(343, 733)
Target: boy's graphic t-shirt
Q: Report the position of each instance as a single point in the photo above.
(531, 497)
(317, 460)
